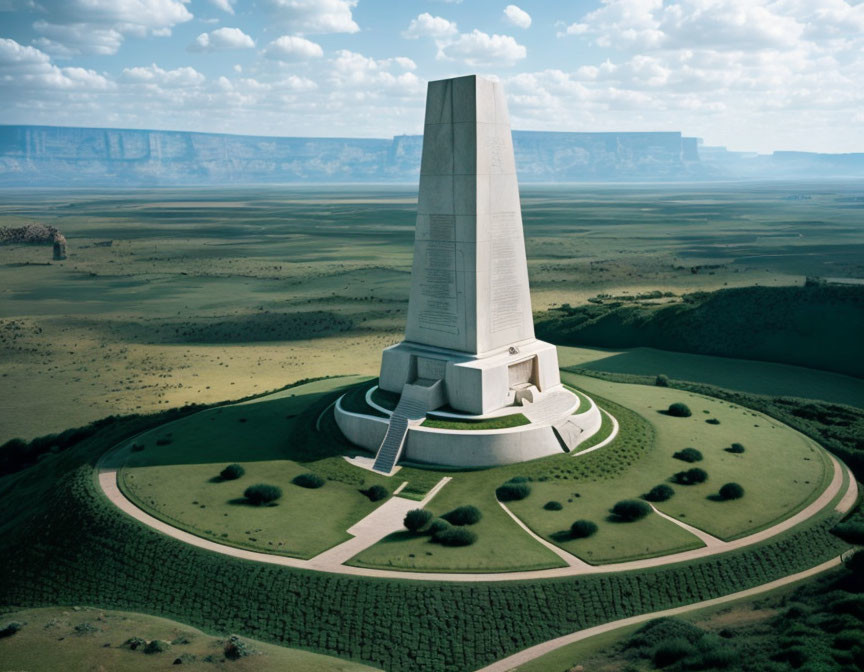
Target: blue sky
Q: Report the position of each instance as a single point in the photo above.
(749, 74)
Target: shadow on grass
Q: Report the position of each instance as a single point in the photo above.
(242, 501)
(404, 535)
(716, 497)
(561, 536)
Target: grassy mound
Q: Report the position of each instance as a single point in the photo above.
(819, 327)
(61, 542)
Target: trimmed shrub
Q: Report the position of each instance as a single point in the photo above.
(659, 493)
(679, 410)
(731, 491)
(377, 493)
(662, 380)
(261, 493)
(713, 421)
(691, 476)
(519, 479)
(463, 515)
(417, 519)
(736, 448)
(135, 643)
(851, 531)
(232, 472)
(630, 510)
(11, 628)
(455, 536)
(157, 646)
(671, 651)
(512, 492)
(308, 480)
(553, 506)
(688, 455)
(236, 648)
(437, 526)
(581, 529)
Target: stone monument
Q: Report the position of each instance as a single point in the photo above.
(469, 348)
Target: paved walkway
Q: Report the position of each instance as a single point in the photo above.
(605, 441)
(107, 475)
(527, 655)
(704, 537)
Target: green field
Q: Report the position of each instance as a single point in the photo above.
(177, 296)
(76, 638)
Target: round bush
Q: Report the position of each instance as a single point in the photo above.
(679, 410)
(582, 529)
(261, 493)
(377, 493)
(735, 448)
(512, 492)
(309, 480)
(671, 651)
(437, 526)
(455, 536)
(463, 515)
(691, 476)
(630, 510)
(713, 421)
(688, 455)
(417, 519)
(731, 491)
(157, 646)
(232, 472)
(553, 506)
(662, 380)
(659, 493)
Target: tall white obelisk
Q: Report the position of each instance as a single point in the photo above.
(469, 338)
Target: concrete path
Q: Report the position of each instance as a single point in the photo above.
(384, 520)
(107, 476)
(512, 663)
(704, 537)
(569, 558)
(605, 441)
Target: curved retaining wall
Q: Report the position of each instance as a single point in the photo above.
(465, 448)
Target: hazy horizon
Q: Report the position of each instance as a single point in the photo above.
(761, 76)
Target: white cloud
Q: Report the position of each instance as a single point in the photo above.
(426, 25)
(154, 75)
(293, 48)
(517, 16)
(23, 67)
(224, 5)
(480, 49)
(99, 26)
(316, 16)
(353, 70)
(222, 39)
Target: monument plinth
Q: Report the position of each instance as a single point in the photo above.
(469, 348)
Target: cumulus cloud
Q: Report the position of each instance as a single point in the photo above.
(480, 49)
(293, 48)
(516, 16)
(426, 25)
(99, 26)
(154, 75)
(222, 39)
(316, 16)
(224, 5)
(24, 67)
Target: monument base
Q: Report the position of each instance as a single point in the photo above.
(474, 384)
(554, 427)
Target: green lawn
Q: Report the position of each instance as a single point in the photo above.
(733, 374)
(781, 471)
(274, 439)
(84, 638)
(502, 422)
(501, 544)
